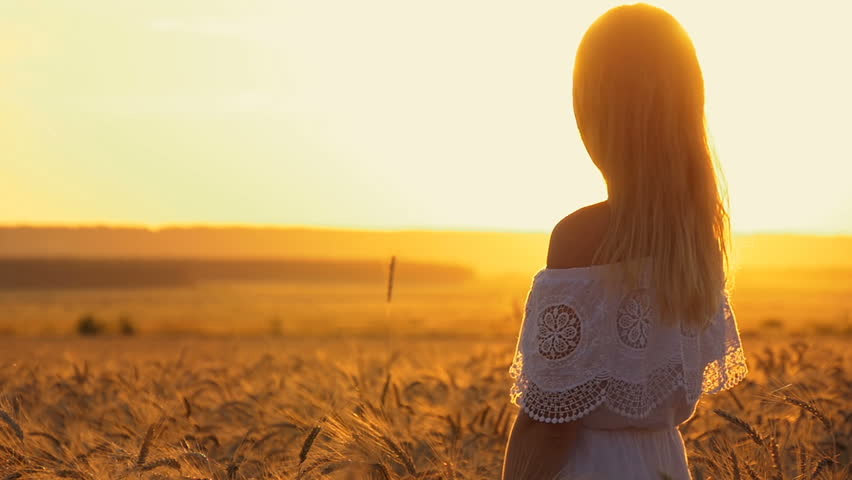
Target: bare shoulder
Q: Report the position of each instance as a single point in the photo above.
(575, 238)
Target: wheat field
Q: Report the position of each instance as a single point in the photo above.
(377, 408)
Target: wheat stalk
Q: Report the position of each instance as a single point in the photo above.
(12, 424)
(146, 444)
(381, 470)
(803, 461)
(745, 426)
(163, 462)
(309, 441)
(55, 441)
(825, 462)
(391, 269)
(810, 408)
(776, 458)
(400, 455)
(385, 389)
(750, 471)
(735, 468)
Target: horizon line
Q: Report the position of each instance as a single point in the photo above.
(349, 228)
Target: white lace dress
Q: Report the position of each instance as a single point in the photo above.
(600, 357)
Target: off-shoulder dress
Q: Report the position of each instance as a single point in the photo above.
(599, 355)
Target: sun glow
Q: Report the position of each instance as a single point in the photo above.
(384, 114)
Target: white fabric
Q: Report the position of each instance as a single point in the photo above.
(602, 356)
(627, 455)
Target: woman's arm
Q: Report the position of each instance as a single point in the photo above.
(537, 450)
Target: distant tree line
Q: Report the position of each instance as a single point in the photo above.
(140, 272)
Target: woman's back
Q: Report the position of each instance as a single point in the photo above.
(567, 249)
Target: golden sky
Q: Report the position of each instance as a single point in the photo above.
(389, 113)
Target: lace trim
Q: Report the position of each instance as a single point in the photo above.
(633, 400)
(724, 373)
(582, 345)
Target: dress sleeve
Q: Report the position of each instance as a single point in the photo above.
(717, 354)
(580, 346)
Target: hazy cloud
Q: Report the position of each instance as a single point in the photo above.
(244, 101)
(242, 28)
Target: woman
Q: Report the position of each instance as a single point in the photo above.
(629, 323)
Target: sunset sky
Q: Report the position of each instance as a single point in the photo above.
(389, 114)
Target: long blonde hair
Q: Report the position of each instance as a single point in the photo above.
(639, 105)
